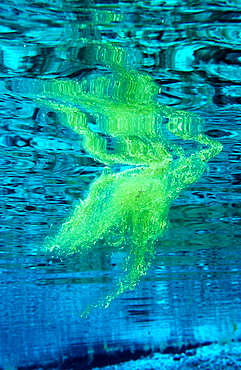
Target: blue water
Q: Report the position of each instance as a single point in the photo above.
(191, 294)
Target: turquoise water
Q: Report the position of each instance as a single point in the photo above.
(191, 293)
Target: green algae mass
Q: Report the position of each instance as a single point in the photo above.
(129, 208)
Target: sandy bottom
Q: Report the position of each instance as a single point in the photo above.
(212, 357)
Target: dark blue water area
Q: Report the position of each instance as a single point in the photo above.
(191, 294)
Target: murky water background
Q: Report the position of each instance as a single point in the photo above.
(192, 293)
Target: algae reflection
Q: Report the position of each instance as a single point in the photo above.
(126, 209)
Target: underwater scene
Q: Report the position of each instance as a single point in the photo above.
(120, 184)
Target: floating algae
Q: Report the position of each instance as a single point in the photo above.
(129, 207)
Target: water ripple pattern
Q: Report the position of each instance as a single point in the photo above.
(188, 53)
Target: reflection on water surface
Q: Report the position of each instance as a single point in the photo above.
(191, 294)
